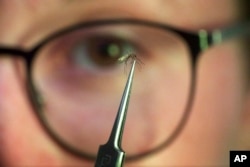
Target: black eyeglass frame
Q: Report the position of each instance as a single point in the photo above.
(197, 42)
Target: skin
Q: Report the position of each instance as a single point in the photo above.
(220, 117)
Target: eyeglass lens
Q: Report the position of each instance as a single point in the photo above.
(80, 82)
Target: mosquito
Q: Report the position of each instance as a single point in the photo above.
(129, 58)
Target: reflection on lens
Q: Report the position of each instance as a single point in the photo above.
(80, 104)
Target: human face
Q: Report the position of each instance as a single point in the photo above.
(218, 120)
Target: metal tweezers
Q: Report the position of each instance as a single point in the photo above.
(111, 153)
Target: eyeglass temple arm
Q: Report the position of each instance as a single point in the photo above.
(218, 36)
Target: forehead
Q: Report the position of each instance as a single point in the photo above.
(45, 16)
(189, 10)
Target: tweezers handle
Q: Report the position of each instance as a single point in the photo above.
(108, 156)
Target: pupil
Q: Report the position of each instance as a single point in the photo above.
(113, 50)
(105, 52)
(110, 50)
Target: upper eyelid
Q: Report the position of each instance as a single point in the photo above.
(126, 36)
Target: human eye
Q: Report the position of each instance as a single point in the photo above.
(100, 52)
(90, 51)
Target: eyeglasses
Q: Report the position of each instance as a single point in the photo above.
(74, 76)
